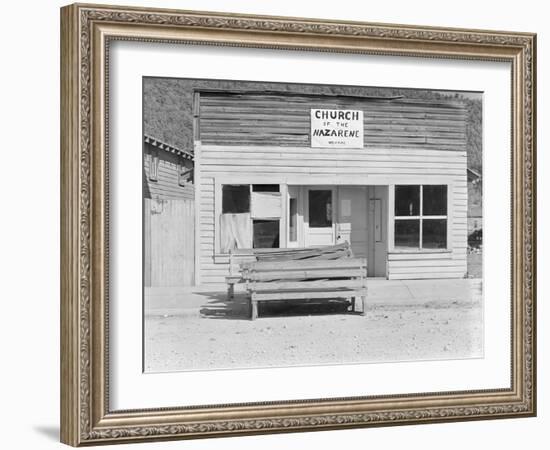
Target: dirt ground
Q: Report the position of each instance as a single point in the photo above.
(475, 264)
(219, 335)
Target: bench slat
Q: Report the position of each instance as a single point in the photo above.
(303, 274)
(267, 251)
(315, 254)
(306, 264)
(302, 295)
(305, 285)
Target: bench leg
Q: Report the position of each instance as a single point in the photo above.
(230, 292)
(254, 310)
(362, 305)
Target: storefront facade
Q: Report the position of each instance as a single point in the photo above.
(387, 175)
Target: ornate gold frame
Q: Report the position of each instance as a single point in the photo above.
(86, 31)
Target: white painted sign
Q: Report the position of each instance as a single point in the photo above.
(336, 128)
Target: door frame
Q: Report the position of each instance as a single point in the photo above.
(307, 228)
(382, 249)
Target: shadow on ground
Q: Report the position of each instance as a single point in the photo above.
(218, 307)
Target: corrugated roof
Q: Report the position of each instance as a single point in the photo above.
(167, 147)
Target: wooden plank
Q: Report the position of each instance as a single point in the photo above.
(291, 128)
(312, 256)
(315, 264)
(300, 274)
(423, 269)
(421, 264)
(299, 295)
(251, 105)
(283, 160)
(172, 265)
(222, 170)
(419, 255)
(263, 251)
(426, 275)
(293, 142)
(300, 149)
(362, 156)
(146, 242)
(307, 285)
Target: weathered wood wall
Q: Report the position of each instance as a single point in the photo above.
(284, 119)
(166, 186)
(169, 253)
(168, 223)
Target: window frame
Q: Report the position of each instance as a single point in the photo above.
(219, 182)
(421, 217)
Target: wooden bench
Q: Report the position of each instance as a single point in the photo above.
(280, 254)
(305, 280)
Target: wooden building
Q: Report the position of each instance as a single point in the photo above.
(168, 215)
(393, 183)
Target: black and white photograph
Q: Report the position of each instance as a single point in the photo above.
(306, 224)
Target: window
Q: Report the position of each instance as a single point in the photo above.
(420, 217)
(250, 216)
(320, 208)
(265, 188)
(266, 233)
(235, 226)
(153, 162)
(185, 172)
(235, 199)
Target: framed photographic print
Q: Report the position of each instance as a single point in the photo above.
(276, 224)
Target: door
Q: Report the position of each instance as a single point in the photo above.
(319, 225)
(352, 218)
(377, 233)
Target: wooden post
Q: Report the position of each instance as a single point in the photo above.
(363, 286)
(254, 310)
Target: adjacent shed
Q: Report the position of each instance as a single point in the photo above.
(168, 215)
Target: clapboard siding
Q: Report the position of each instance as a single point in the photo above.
(242, 119)
(301, 163)
(166, 186)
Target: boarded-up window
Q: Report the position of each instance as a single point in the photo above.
(250, 216)
(235, 231)
(266, 205)
(235, 226)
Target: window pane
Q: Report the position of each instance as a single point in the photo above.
(407, 233)
(434, 233)
(235, 199)
(292, 220)
(434, 200)
(265, 233)
(320, 209)
(407, 200)
(265, 188)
